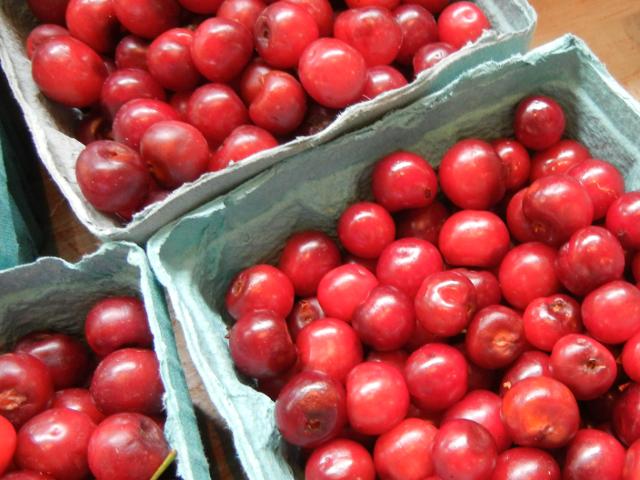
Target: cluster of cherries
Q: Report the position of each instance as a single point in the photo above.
(74, 422)
(491, 333)
(172, 89)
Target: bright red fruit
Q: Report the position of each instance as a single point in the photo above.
(68, 71)
(558, 159)
(516, 161)
(486, 286)
(539, 122)
(519, 225)
(626, 414)
(304, 312)
(461, 23)
(380, 79)
(332, 72)
(252, 79)
(136, 116)
(342, 289)
(429, 55)
(602, 181)
(365, 229)
(340, 459)
(242, 142)
(462, 167)
(261, 287)
(631, 357)
(404, 180)
(530, 364)
(322, 13)
(547, 319)
(418, 27)
(311, 409)
(147, 18)
(631, 469)
(169, 60)
(611, 313)
(41, 35)
(56, 442)
(128, 84)
(280, 104)
(463, 449)
(474, 238)
(245, 12)
(623, 220)
(126, 446)
(404, 452)
(7, 443)
(424, 223)
(526, 464)
(78, 399)
(131, 52)
(594, 454)
(540, 412)
(93, 22)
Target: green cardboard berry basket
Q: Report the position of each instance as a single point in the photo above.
(51, 294)
(196, 257)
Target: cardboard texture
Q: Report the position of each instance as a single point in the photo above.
(513, 24)
(54, 294)
(196, 257)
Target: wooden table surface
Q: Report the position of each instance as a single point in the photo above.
(611, 28)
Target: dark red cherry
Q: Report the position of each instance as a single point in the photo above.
(340, 459)
(418, 27)
(594, 454)
(429, 55)
(530, 364)
(623, 220)
(539, 122)
(558, 159)
(526, 464)
(345, 287)
(380, 79)
(424, 223)
(547, 319)
(602, 181)
(516, 161)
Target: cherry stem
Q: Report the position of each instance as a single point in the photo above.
(165, 464)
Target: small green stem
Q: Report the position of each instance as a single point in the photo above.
(167, 461)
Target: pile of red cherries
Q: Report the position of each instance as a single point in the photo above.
(171, 89)
(487, 332)
(74, 422)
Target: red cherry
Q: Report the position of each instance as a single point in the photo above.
(56, 442)
(602, 181)
(631, 357)
(404, 180)
(49, 11)
(136, 116)
(340, 459)
(462, 167)
(147, 18)
(405, 263)
(632, 462)
(245, 12)
(304, 312)
(128, 84)
(329, 346)
(345, 287)
(418, 27)
(311, 409)
(170, 62)
(626, 414)
(68, 71)
(93, 22)
(424, 223)
(594, 454)
(558, 159)
(322, 13)
(547, 319)
(539, 122)
(261, 287)
(461, 23)
(252, 79)
(611, 313)
(7, 444)
(429, 55)
(280, 104)
(380, 79)
(27, 475)
(365, 229)
(131, 52)
(332, 72)
(530, 364)
(242, 142)
(526, 464)
(80, 400)
(519, 225)
(41, 35)
(486, 286)
(623, 220)
(515, 160)
(201, 6)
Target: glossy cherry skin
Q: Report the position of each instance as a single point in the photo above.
(486, 286)
(418, 27)
(201, 6)
(404, 180)
(68, 71)
(632, 462)
(93, 22)
(329, 346)
(252, 79)
(372, 31)
(584, 365)
(365, 229)
(519, 225)
(385, 320)
(128, 84)
(465, 450)
(602, 181)
(80, 400)
(56, 441)
(436, 375)
(147, 18)
(611, 313)
(282, 32)
(526, 464)
(342, 289)
(547, 319)
(594, 454)
(112, 176)
(49, 11)
(260, 345)
(472, 175)
(322, 13)
(245, 12)
(66, 357)
(136, 116)
(539, 122)
(370, 385)
(340, 459)
(405, 263)
(42, 34)
(117, 322)
(445, 303)
(528, 272)
(429, 55)
(304, 312)
(261, 287)
(482, 407)
(461, 23)
(631, 357)
(128, 380)
(241, 143)
(127, 446)
(495, 337)
(474, 238)
(626, 414)
(7, 444)
(131, 52)
(280, 104)
(530, 364)
(169, 60)
(216, 110)
(175, 152)
(591, 257)
(404, 452)
(311, 409)
(26, 387)
(558, 159)
(380, 79)
(221, 48)
(623, 220)
(540, 412)
(424, 223)
(516, 161)
(332, 72)
(306, 258)
(557, 206)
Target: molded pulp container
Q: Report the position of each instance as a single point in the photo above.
(196, 257)
(52, 294)
(513, 24)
